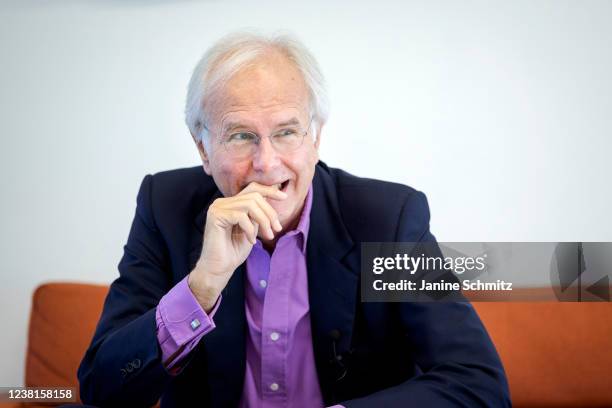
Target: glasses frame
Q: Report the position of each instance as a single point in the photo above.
(259, 138)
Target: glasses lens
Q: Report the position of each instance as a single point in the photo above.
(240, 143)
(288, 139)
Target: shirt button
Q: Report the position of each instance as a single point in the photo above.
(274, 387)
(263, 283)
(274, 336)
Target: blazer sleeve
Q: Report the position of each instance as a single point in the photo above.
(460, 366)
(123, 363)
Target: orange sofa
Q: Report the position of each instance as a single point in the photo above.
(555, 354)
(62, 321)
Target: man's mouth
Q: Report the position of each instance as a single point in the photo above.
(282, 186)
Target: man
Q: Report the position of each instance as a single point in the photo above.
(239, 282)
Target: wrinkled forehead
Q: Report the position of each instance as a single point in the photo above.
(268, 92)
(269, 118)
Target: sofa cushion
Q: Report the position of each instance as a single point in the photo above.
(62, 322)
(555, 354)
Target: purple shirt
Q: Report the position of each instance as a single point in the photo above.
(280, 368)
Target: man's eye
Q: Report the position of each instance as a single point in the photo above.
(286, 132)
(241, 137)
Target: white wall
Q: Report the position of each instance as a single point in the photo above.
(500, 111)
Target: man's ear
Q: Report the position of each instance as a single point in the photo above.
(318, 140)
(203, 154)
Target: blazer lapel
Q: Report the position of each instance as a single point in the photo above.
(333, 276)
(224, 347)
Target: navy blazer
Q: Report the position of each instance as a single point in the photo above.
(392, 354)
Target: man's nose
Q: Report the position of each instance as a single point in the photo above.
(266, 157)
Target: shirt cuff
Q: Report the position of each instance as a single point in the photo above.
(181, 323)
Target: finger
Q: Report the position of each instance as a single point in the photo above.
(270, 212)
(251, 206)
(257, 214)
(266, 208)
(245, 223)
(266, 191)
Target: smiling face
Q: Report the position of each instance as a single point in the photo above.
(260, 99)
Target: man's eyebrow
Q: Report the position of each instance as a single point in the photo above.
(231, 126)
(292, 121)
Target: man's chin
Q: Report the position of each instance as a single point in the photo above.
(281, 210)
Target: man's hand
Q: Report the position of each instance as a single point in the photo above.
(232, 226)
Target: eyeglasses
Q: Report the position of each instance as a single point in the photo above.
(287, 139)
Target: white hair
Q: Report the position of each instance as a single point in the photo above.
(237, 51)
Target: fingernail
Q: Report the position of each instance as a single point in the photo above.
(278, 226)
